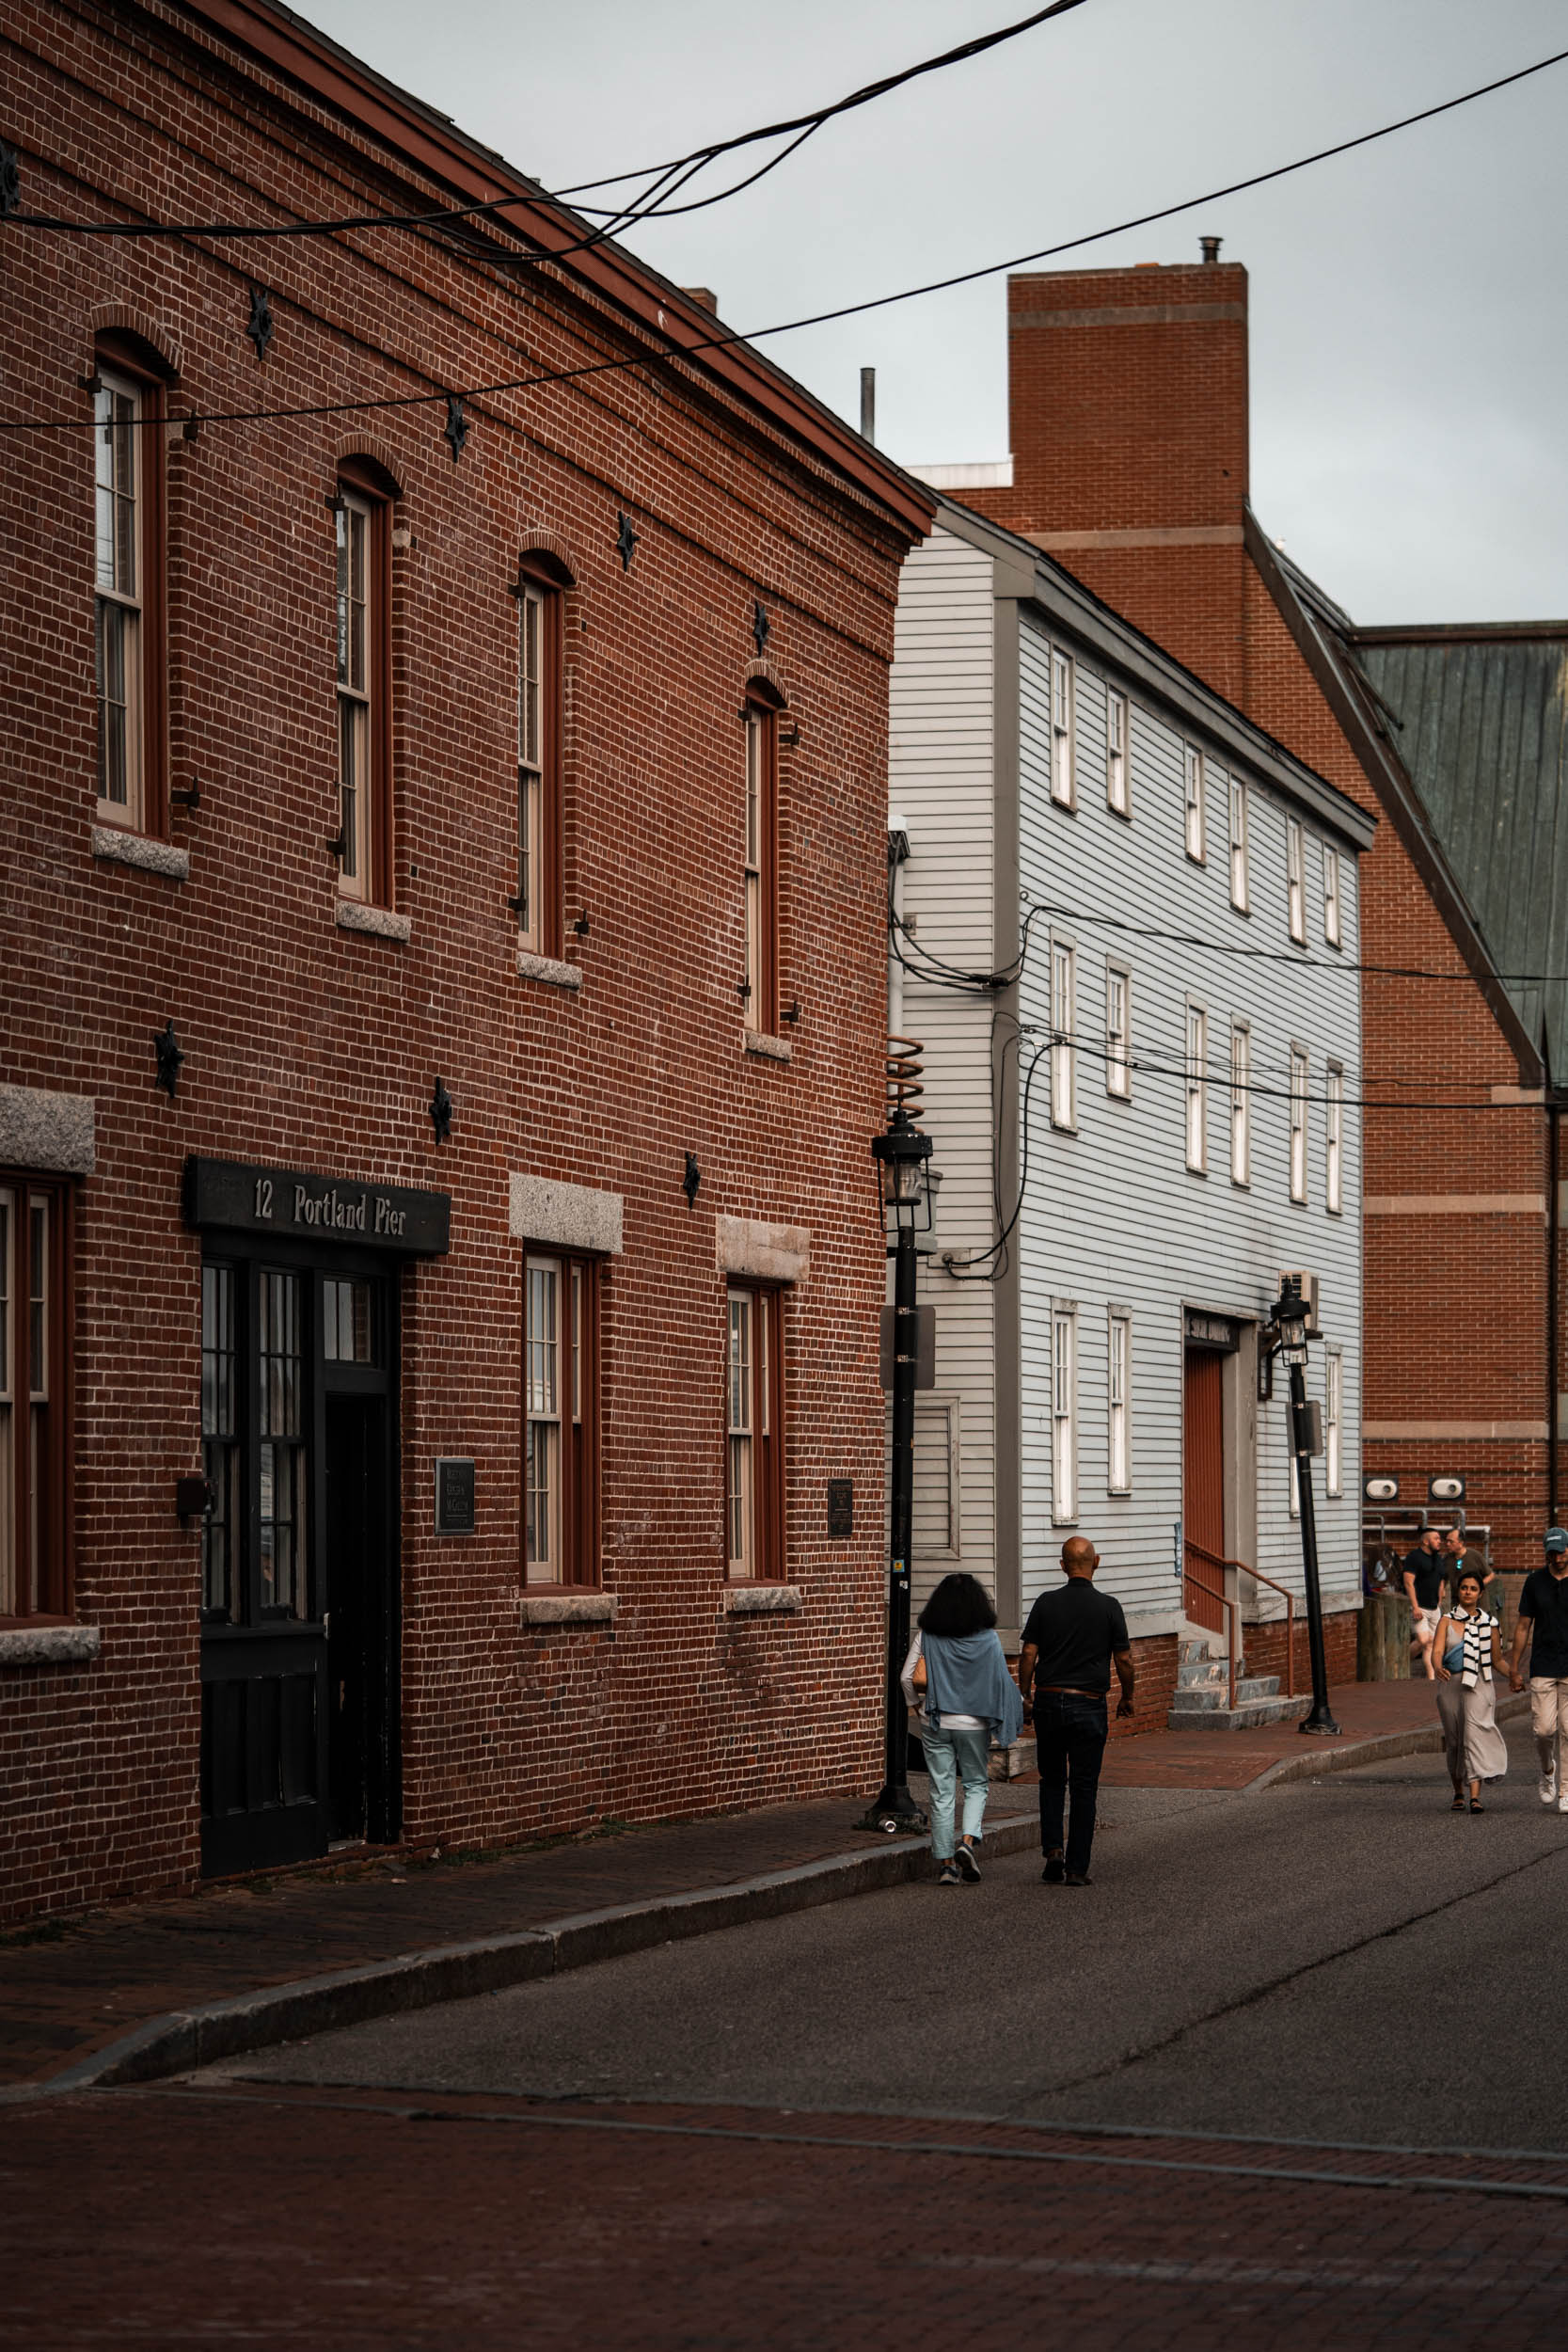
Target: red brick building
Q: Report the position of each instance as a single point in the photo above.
(443, 1016)
(1130, 464)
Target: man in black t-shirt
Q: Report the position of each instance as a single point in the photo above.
(1543, 1621)
(1425, 1574)
(1064, 1672)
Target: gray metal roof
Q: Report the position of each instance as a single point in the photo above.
(1481, 727)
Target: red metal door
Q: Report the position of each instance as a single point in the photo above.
(1203, 1482)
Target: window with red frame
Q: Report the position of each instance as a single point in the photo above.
(129, 589)
(364, 601)
(538, 903)
(35, 1391)
(759, 984)
(753, 1457)
(561, 1412)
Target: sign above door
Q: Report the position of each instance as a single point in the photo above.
(293, 1204)
(1201, 1330)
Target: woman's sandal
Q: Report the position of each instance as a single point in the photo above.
(1458, 1805)
(1475, 1805)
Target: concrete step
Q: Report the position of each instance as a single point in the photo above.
(1246, 1715)
(1208, 1695)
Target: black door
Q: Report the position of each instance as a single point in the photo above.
(299, 1446)
(360, 1733)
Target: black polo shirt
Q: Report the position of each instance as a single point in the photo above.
(1075, 1629)
(1545, 1599)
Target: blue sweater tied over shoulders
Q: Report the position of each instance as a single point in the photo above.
(966, 1674)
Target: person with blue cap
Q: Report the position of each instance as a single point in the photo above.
(1542, 1623)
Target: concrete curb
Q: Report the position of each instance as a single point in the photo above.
(181, 2040)
(1324, 1756)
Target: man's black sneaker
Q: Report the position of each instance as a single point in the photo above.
(1052, 1873)
(968, 1863)
(1077, 1877)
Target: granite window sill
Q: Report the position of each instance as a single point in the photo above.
(766, 1048)
(762, 1600)
(375, 922)
(118, 848)
(48, 1645)
(583, 1607)
(550, 969)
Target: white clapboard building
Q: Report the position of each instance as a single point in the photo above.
(1148, 1113)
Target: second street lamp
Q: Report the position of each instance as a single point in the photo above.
(1292, 1320)
(903, 1154)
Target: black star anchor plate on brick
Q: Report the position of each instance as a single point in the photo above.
(167, 1046)
(625, 541)
(456, 430)
(259, 329)
(762, 627)
(440, 1113)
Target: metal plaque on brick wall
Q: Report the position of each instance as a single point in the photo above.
(454, 1496)
(841, 1508)
(289, 1204)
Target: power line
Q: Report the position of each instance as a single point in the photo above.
(497, 206)
(1284, 955)
(851, 310)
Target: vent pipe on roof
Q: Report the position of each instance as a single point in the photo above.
(1210, 248)
(868, 403)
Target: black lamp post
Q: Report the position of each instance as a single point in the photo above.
(1292, 1316)
(902, 1153)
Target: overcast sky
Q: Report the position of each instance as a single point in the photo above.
(1408, 304)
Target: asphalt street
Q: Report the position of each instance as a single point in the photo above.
(1304, 1962)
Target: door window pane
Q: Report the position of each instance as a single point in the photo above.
(346, 1322)
(220, 1452)
(281, 1430)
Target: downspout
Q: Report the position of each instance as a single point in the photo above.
(1554, 1157)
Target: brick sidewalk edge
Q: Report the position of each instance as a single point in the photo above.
(1328, 1756)
(181, 2040)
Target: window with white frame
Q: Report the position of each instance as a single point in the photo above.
(1334, 1140)
(1117, 792)
(1064, 1415)
(120, 562)
(1118, 1434)
(1295, 892)
(1331, 896)
(1194, 773)
(1238, 845)
(1063, 783)
(1119, 1031)
(1298, 1123)
(1334, 1395)
(1240, 1102)
(1198, 1088)
(1064, 1077)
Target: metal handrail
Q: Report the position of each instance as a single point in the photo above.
(1216, 1562)
(1224, 1603)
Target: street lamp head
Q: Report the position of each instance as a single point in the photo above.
(902, 1154)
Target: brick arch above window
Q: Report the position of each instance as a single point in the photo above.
(148, 342)
(545, 555)
(764, 685)
(363, 457)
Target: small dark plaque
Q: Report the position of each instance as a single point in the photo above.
(454, 1497)
(294, 1205)
(841, 1508)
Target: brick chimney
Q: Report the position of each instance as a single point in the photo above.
(1128, 397)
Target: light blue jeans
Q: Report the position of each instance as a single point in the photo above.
(949, 1756)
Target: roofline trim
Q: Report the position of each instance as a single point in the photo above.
(1036, 579)
(330, 73)
(1460, 632)
(1390, 780)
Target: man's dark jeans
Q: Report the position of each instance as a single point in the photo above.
(1070, 1734)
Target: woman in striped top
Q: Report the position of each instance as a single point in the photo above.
(1464, 1651)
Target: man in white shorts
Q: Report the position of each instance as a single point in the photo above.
(1425, 1574)
(1543, 1622)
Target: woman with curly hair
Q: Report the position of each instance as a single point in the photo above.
(969, 1701)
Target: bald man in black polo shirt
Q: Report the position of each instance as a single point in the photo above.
(1070, 1641)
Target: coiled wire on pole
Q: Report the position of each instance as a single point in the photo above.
(905, 1070)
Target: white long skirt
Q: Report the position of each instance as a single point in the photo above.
(1485, 1749)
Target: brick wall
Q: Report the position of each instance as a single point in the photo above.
(1129, 465)
(316, 1048)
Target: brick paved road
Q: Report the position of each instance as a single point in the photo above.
(177, 2217)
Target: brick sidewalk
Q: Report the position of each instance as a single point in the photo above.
(1233, 1759)
(69, 1988)
(376, 2223)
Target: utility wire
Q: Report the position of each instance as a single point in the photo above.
(819, 318)
(495, 206)
(1285, 954)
